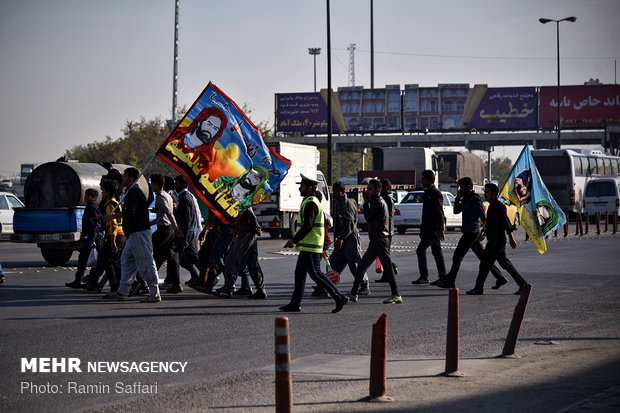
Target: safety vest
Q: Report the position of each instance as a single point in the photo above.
(313, 241)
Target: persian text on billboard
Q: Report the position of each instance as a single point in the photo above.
(301, 112)
(580, 106)
(506, 108)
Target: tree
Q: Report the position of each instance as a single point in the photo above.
(500, 168)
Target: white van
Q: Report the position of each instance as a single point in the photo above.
(602, 195)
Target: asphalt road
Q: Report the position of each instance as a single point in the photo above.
(227, 345)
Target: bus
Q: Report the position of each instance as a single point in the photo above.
(566, 171)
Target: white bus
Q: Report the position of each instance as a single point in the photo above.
(566, 171)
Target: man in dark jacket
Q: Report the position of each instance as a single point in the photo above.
(378, 218)
(187, 222)
(386, 194)
(432, 228)
(470, 206)
(347, 244)
(497, 226)
(88, 235)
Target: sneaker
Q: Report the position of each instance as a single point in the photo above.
(420, 281)
(499, 282)
(364, 291)
(519, 291)
(290, 308)
(220, 292)
(260, 294)
(202, 289)
(352, 297)
(244, 291)
(381, 280)
(475, 291)
(319, 292)
(115, 296)
(436, 281)
(165, 286)
(443, 283)
(74, 284)
(340, 303)
(151, 299)
(92, 289)
(395, 299)
(174, 289)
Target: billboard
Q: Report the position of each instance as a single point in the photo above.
(580, 106)
(500, 108)
(306, 113)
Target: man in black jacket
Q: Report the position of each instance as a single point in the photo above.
(386, 194)
(432, 228)
(470, 206)
(187, 221)
(347, 244)
(378, 218)
(88, 235)
(497, 226)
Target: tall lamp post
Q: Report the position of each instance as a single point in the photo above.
(543, 20)
(314, 51)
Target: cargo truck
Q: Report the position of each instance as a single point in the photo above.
(277, 214)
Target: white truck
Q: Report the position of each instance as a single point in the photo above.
(277, 214)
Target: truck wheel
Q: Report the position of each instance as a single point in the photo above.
(401, 229)
(56, 257)
(274, 233)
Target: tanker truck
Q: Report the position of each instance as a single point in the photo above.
(54, 206)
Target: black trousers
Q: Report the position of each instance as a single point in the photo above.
(469, 240)
(164, 249)
(113, 261)
(309, 263)
(435, 243)
(243, 253)
(189, 257)
(378, 247)
(492, 252)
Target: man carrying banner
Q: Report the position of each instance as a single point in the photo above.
(496, 227)
(309, 240)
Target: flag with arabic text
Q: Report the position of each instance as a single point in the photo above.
(539, 214)
(223, 156)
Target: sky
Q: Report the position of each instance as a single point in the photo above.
(75, 71)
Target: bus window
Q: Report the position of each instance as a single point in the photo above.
(601, 167)
(592, 168)
(577, 166)
(607, 167)
(553, 165)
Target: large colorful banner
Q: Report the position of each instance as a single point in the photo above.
(580, 106)
(223, 156)
(502, 108)
(539, 214)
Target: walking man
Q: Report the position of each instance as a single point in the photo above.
(164, 248)
(187, 221)
(386, 194)
(377, 216)
(470, 205)
(243, 252)
(347, 244)
(497, 226)
(137, 254)
(432, 228)
(309, 240)
(88, 235)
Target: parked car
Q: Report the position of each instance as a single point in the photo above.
(602, 195)
(6, 184)
(408, 213)
(8, 202)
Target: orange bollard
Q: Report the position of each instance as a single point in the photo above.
(284, 382)
(606, 221)
(515, 326)
(452, 338)
(579, 225)
(378, 362)
(587, 223)
(615, 222)
(598, 223)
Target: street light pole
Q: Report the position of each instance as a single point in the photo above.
(314, 51)
(543, 20)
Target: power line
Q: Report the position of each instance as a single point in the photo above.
(444, 56)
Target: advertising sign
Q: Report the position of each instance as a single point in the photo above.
(580, 106)
(505, 108)
(302, 112)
